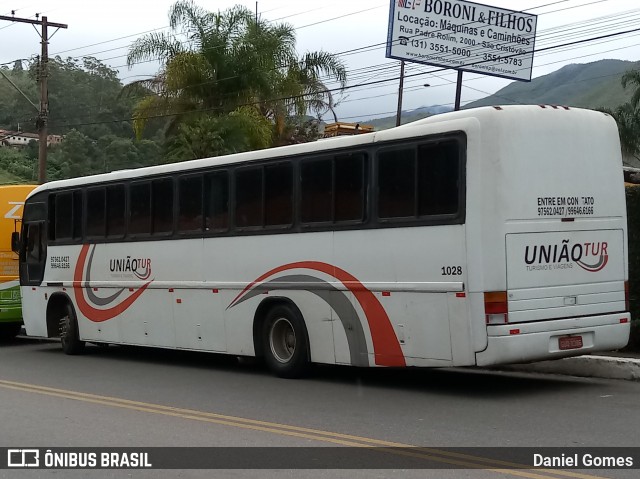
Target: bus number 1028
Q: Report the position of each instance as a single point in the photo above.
(451, 270)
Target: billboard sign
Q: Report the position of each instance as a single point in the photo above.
(464, 36)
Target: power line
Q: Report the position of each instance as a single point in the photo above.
(293, 97)
(379, 71)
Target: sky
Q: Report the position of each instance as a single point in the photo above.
(106, 29)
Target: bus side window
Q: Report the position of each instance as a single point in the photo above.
(140, 208)
(278, 195)
(162, 210)
(115, 211)
(249, 204)
(190, 204)
(63, 227)
(216, 201)
(316, 191)
(396, 183)
(438, 178)
(77, 214)
(96, 213)
(34, 243)
(349, 187)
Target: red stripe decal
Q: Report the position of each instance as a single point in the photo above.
(94, 314)
(387, 350)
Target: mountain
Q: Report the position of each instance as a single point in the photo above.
(407, 116)
(589, 85)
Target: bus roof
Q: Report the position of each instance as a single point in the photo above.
(417, 128)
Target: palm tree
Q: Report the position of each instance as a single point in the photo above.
(231, 60)
(632, 77)
(628, 119)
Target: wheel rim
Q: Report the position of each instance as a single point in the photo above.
(282, 340)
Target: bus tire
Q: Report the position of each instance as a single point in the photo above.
(69, 337)
(285, 342)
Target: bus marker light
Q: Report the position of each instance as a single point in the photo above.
(461, 295)
(623, 320)
(514, 331)
(171, 290)
(214, 291)
(130, 289)
(386, 293)
(95, 289)
(179, 301)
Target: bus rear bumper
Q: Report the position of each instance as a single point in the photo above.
(541, 340)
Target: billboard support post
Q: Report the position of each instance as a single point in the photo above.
(400, 88)
(458, 90)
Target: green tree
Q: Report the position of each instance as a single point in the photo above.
(14, 161)
(207, 135)
(78, 155)
(231, 61)
(628, 120)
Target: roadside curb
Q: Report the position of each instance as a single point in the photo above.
(606, 367)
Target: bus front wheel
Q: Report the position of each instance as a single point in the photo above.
(285, 342)
(69, 336)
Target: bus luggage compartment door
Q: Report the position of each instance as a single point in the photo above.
(565, 274)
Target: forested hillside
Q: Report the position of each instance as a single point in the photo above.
(87, 105)
(239, 84)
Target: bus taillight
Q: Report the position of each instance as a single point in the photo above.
(495, 307)
(627, 303)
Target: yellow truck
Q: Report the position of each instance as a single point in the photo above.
(11, 203)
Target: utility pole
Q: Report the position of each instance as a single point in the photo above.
(43, 114)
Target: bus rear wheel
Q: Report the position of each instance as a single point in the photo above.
(69, 337)
(285, 342)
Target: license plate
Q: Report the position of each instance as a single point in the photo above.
(570, 342)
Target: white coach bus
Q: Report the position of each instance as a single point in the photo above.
(488, 236)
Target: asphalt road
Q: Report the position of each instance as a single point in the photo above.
(139, 397)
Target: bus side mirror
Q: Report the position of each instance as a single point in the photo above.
(15, 242)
